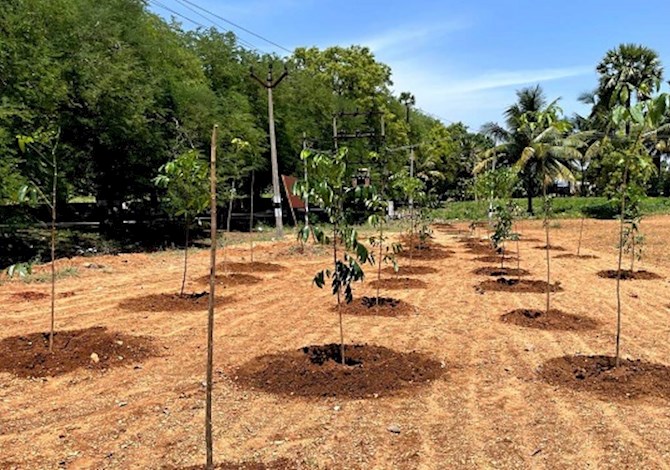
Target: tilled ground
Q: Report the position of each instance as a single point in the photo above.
(504, 396)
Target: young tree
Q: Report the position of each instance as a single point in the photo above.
(185, 179)
(42, 150)
(328, 188)
(378, 205)
(631, 165)
(413, 189)
(503, 223)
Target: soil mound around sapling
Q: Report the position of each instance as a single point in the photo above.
(250, 267)
(410, 270)
(367, 306)
(317, 371)
(171, 302)
(575, 256)
(280, 464)
(529, 239)
(232, 279)
(514, 285)
(551, 248)
(399, 283)
(29, 356)
(628, 275)
(426, 255)
(29, 296)
(553, 320)
(498, 271)
(633, 379)
(493, 259)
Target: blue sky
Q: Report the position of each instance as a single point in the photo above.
(462, 60)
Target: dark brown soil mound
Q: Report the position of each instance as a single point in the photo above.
(426, 244)
(28, 355)
(627, 275)
(497, 271)
(367, 306)
(493, 259)
(429, 254)
(316, 371)
(29, 296)
(171, 302)
(480, 249)
(232, 279)
(528, 239)
(281, 464)
(410, 270)
(574, 256)
(66, 294)
(513, 285)
(554, 320)
(255, 267)
(551, 248)
(399, 283)
(597, 374)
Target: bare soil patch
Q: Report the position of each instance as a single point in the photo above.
(597, 374)
(316, 371)
(575, 256)
(514, 285)
(628, 275)
(553, 320)
(280, 464)
(28, 355)
(232, 279)
(29, 296)
(399, 283)
(551, 248)
(170, 302)
(367, 306)
(410, 270)
(427, 254)
(251, 267)
(493, 259)
(498, 271)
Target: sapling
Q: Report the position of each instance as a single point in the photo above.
(328, 188)
(503, 221)
(412, 188)
(185, 178)
(377, 219)
(45, 146)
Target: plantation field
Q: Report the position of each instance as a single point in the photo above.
(488, 402)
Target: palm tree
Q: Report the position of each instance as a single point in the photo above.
(630, 70)
(530, 101)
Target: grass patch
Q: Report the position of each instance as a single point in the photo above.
(43, 277)
(563, 207)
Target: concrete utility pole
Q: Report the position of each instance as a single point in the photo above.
(270, 84)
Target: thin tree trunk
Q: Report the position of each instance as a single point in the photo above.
(379, 263)
(618, 273)
(54, 192)
(502, 257)
(632, 251)
(529, 191)
(251, 216)
(411, 235)
(581, 231)
(210, 311)
(339, 306)
(230, 208)
(183, 280)
(546, 231)
(518, 261)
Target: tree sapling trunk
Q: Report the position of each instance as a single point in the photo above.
(54, 192)
(183, 279)
(251, 216)
(618, 273)
(230, 207)
(379, 262)
(210, 311)
(546, 232)
(339, 306)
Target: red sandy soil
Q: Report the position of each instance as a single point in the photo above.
(507, 398)
(388, 307)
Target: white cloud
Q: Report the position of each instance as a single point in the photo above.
(410, 37)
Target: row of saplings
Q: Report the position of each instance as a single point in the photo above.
(610, 376)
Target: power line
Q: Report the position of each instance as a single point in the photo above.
(242, 28)
(197, 23)
(239, 39)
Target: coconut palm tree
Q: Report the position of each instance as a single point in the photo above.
(530, 101)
